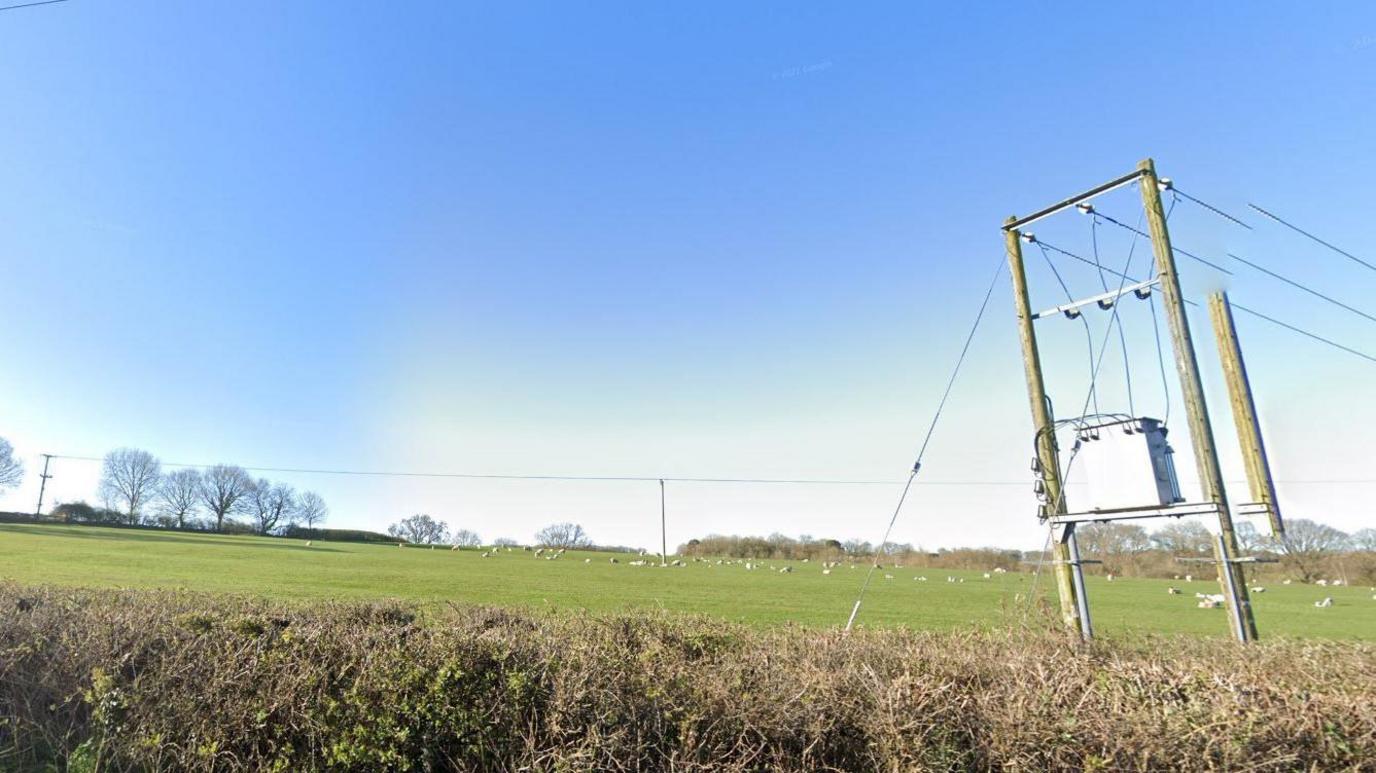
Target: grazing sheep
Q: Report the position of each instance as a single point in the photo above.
(308, 543)
(676, 562)
(1258, 589)
(587, 560)
(452, 548)
(786, 570)
(1109, 577)
(484, 554)
(1327, 602)
(1173, 591)
(613, 560)
(828, 571)
(888, 577)
(749, 566)
(1000, 570)
(1286, 581)
(949, 578)
(1209, 604)
(805, 560)
(401, 544)
(987, 576)
(1189, 578)
(1321, 582)
(921, 578)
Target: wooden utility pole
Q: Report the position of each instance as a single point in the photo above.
(1196, 409)
(1044, 425)
(1259, 481)
(42, 485)
(663, 528)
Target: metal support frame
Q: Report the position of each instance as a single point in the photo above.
(1070, 580)
(1104, 300)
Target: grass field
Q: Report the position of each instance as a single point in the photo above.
(288, 569)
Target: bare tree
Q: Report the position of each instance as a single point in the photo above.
(420, 529)
(311, 510)
(1112, 539)
(129, 478)
(505, 542)
(562, 535)
(11, 469)
(223, 488)
(466, 539)
(270, 503)
(1363, 539)
(1184, 537)
(1306, 544)
(179, 495)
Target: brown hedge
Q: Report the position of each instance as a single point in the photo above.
(139, 680)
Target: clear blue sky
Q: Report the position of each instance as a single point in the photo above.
(717, 240)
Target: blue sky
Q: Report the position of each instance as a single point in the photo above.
(709, 240)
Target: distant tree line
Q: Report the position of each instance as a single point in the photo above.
(134, 490)
(422, 529)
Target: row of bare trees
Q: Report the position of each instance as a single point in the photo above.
(422, 529)
(133, 484)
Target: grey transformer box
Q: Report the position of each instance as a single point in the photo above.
(1128, 463)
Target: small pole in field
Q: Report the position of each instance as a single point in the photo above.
(43, 485)
(663, 529)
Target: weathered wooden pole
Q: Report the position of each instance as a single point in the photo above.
(1259, 480)
(1196, 409)
(1044, 426)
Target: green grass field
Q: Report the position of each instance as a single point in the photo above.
(288, 569)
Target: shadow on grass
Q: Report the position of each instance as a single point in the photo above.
(131, 535)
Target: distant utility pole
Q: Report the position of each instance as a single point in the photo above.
(42, 485)
(663, 528)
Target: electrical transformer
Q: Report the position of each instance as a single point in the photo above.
(1129, 464)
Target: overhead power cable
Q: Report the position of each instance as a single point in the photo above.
(1305, 233)
(30, 5)
(1299, 286)
(1142, 233)
(1209, 207)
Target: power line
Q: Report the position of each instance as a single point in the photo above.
(1209, 207)
(1299, 286)
(1139, 232)
(1303, 232)
(1303, 332)
(592, 478)
(1273, 320)
(30, 5)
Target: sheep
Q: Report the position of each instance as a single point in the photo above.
(1108, 577)
(1174, 591)
(485, 554)
(1189, 578)
(308, 543)
(749, 566)
(1257, 589)
(538, 551)
(1327, 602)
(587, 560)
(1321, 582)
(1000, 570)
(453, 548)
(613, 560)
(1286, 581)
(786, 570)
(921, 578)
(1209, 604)
(828, 571)
(401, 544)
(888, 577)
(676, 562)
(987, 576)
(949, 578)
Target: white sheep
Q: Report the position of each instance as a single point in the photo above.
(1000, 570)
(1210, 604)
(786, 570)
(613, 560)
(888, 577)
(1286, 581)
(1173, 591)
(484, 554)
(1109, 577)
(987, 575)
(1257, 589)
(1327, 602)
(921, 578)
(1189, 578)
(587, 560)
(1321, 582)
(949, 578)
(308, 543)
(828, 571)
